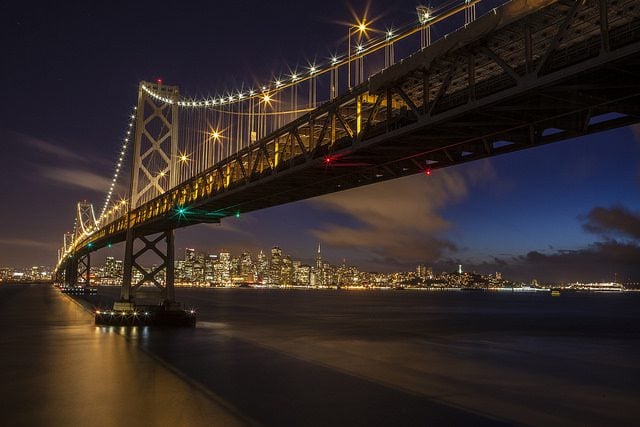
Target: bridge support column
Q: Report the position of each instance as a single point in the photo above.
(163, 246)
(125, 290)
(168, 313)
(71, 272)
(84, 270)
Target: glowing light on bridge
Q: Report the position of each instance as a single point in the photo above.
(182, 212)
(246, 118)
(426, 17)
(119, 163)
(424, 14)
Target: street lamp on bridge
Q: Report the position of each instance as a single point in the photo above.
(361, 27)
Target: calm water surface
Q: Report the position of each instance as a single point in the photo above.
(275, 357)
(400, 357)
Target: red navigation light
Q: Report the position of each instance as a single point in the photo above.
(427, 171)
(159, 81)
(328, 160)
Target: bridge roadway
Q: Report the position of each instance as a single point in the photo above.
(530, 73)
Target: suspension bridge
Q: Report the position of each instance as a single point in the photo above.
(397, 102)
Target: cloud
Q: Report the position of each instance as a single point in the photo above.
(602, 260)
(78, 178)
(26, 243)
(46, 147)
(616, 220)
(400, 219)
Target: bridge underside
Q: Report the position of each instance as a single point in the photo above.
(592, 101)
(530, 74)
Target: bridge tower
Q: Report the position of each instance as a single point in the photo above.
(85, 224)
(154, 162)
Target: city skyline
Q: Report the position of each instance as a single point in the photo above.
(277, 268)
(566, 210)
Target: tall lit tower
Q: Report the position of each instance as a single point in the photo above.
(319, 274)
(318, 259)
(275, 266)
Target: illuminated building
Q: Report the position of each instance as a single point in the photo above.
(303, 275)
(223, 269)
(286, 272)
(209, 271)
(319, 273)
(262, 268)
(275, 266)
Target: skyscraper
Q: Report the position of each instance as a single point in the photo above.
(319, 272)
(263, 268)
(286, 273)
(223, 268)
(246, 270)
(275, 266)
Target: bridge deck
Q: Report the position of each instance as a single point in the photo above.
(529, 74)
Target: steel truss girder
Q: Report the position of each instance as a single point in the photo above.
(490, 78)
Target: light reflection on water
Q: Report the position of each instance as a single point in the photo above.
(283, 358)
(509, 356)
(60, 369)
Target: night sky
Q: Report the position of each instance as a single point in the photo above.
(69, 73)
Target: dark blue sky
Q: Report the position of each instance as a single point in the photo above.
(70, 73)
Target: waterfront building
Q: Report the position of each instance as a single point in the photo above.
(223, 268)
(303, 275)
(286, 273)
(262, 268)
(275, 266)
